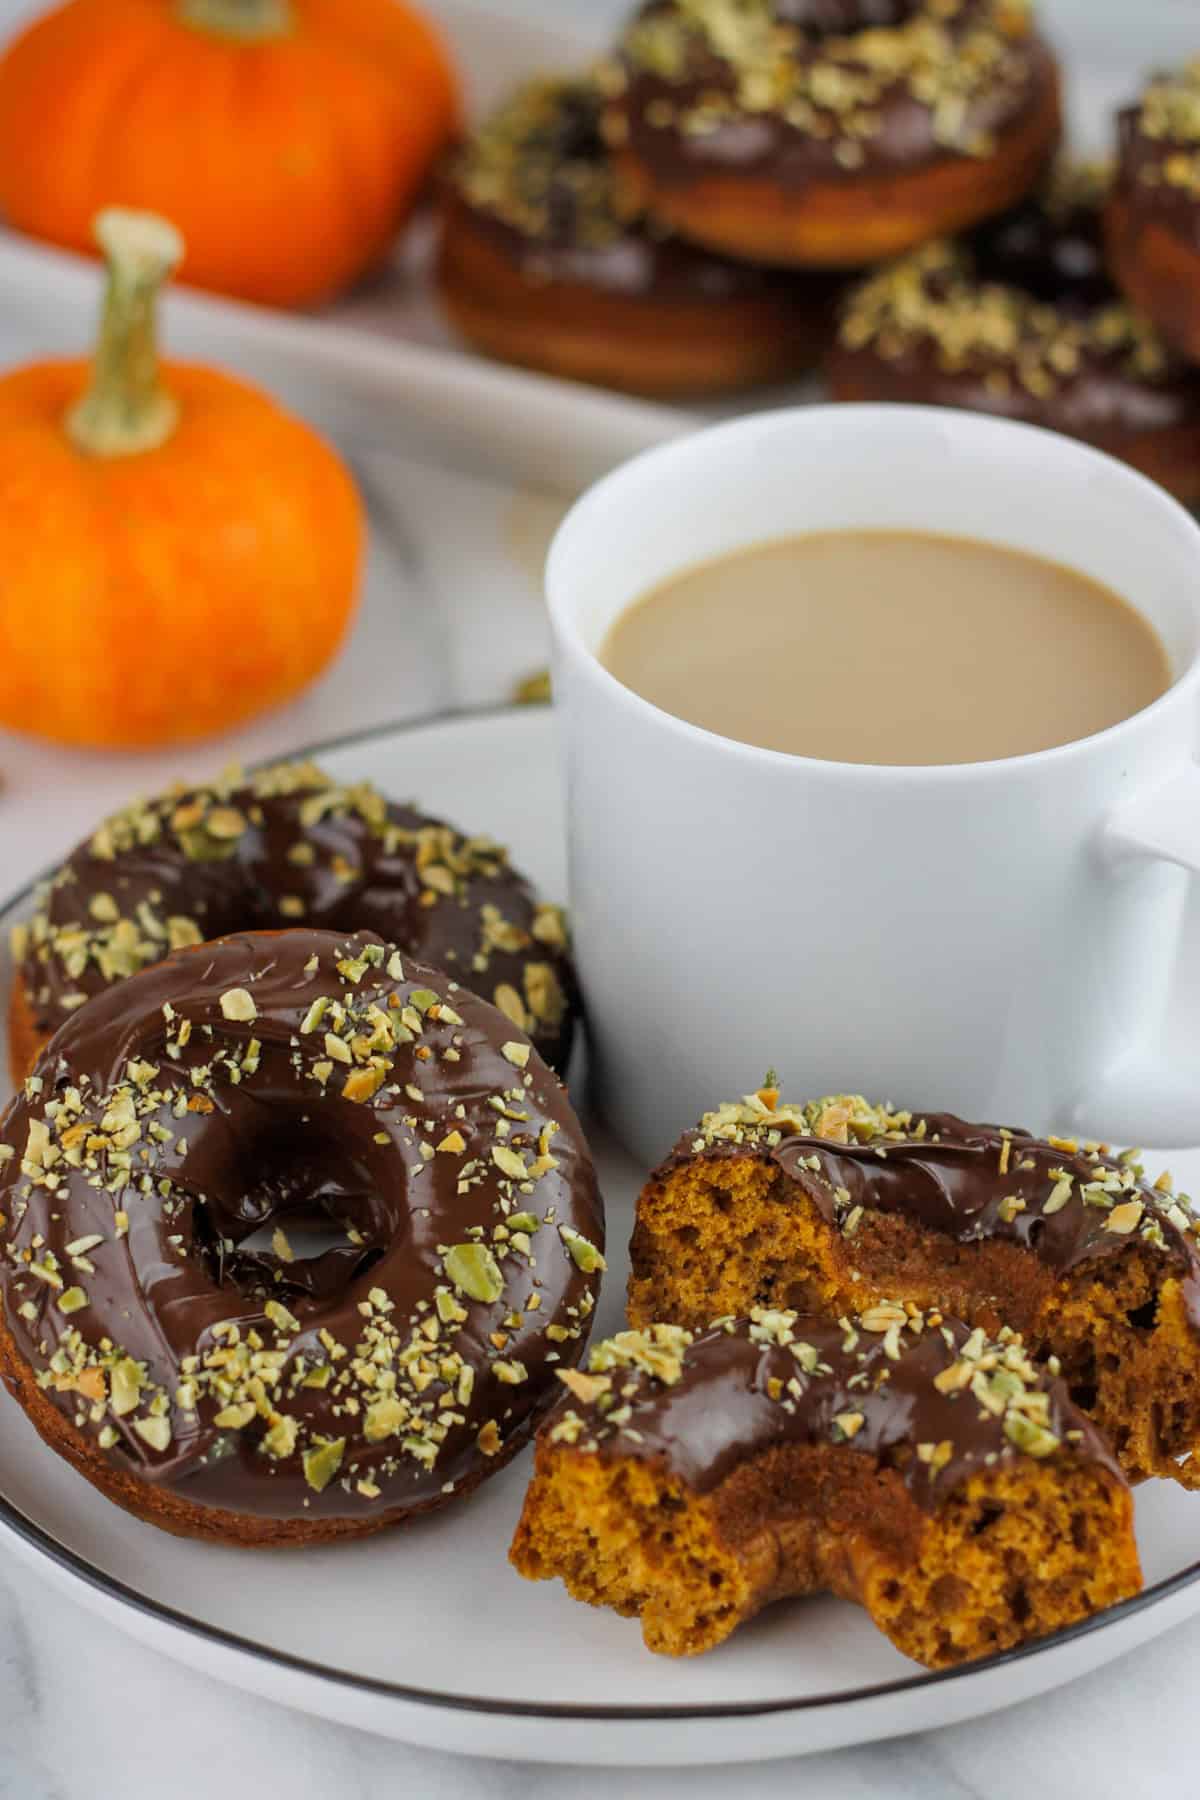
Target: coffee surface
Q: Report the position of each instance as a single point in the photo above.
(889, 647)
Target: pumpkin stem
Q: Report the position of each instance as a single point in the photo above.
(126, 409)
(245, 19)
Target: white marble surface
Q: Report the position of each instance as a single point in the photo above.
(85, 1714)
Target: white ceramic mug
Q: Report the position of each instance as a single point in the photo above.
(998, 939)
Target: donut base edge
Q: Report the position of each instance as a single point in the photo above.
(844, 224)
(640, 345)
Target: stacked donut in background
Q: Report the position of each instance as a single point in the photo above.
(668, 221)
(751, 188)
(1153, 218)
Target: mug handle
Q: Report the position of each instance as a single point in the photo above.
(1160, 825)
(1151, 1095)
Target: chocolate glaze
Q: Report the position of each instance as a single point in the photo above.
(1054, 257)
(276, 1138)
(949, 1180)
(367, 870)
(721, 1413)
(629, 256)
(768, 146)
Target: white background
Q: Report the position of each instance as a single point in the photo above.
(84, 1713)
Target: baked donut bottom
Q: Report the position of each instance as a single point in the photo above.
(1158, 271)
(656, 344)
(1013, 1554)
(857, 220)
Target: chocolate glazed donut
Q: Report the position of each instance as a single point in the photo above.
(1153, 219)
(1021, 319)
(261, 1396)
(831, 133)
(282, 847)
(546, 261)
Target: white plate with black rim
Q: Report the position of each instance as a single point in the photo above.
(427, 1634)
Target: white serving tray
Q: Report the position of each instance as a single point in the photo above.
(381, 371)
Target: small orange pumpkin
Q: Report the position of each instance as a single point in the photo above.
(174, 556)
(287, 139)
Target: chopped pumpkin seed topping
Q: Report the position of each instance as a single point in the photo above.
(931, 301)
(539, 164)
(762, 1118)
(719, 63)
(878, 1380)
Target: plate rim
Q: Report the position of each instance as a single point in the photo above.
(13, 1520)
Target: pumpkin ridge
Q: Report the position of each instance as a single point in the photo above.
(141, 105)
(354, 152)
(110, 124)
(376, 38)
(89, 129)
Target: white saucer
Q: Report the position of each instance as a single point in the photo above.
(428, 1635)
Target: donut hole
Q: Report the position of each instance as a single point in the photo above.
(320, 1261)
(306, 1227)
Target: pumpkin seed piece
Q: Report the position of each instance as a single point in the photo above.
(584, 1253)
(124, 1386)
(155, 1432)
(322, 1463)
(474, 1271)
(280, 1440)
(238, 1005)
